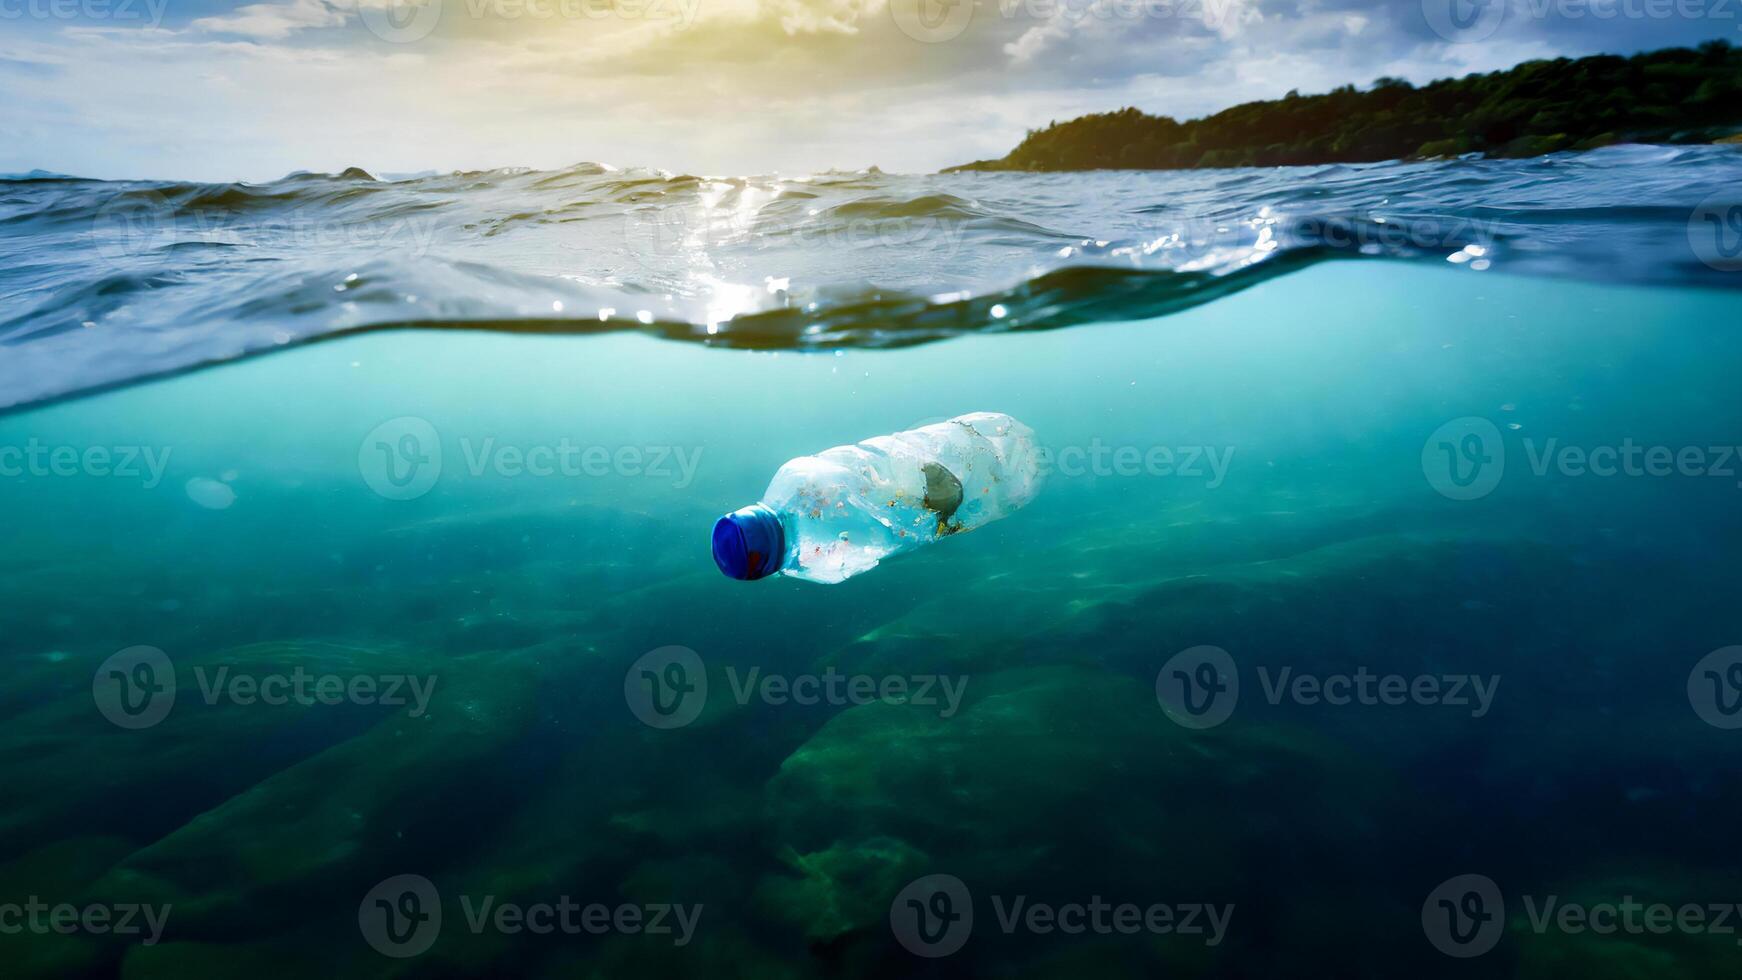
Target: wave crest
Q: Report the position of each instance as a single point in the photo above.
(109, 282)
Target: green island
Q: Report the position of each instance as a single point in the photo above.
(1675, 95)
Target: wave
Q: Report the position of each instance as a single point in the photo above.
(104, 283)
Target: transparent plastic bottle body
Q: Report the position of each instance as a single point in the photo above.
(846, 509)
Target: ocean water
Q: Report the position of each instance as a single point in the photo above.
(1378, 617)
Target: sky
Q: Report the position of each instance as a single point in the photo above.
(215, 90)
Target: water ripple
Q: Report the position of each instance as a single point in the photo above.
(103, 283)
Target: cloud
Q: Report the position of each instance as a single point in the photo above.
(708, 86)
(273, 21)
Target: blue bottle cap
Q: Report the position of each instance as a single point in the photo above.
(749, 543)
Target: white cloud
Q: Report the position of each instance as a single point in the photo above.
(747, 85)
(1030, 43)
(273, 21)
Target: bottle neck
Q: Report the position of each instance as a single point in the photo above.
(780, 552)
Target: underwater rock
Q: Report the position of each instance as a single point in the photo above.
(1152, 807)
(728, 954)
(57, 873)
(305, 952)
(1632, 950)
(143, 783)
(842, 888)
(405, 793)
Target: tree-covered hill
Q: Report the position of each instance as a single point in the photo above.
(1677, 95)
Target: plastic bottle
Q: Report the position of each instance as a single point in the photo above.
(828, 517)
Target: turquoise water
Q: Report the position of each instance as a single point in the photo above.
(1265, 474)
